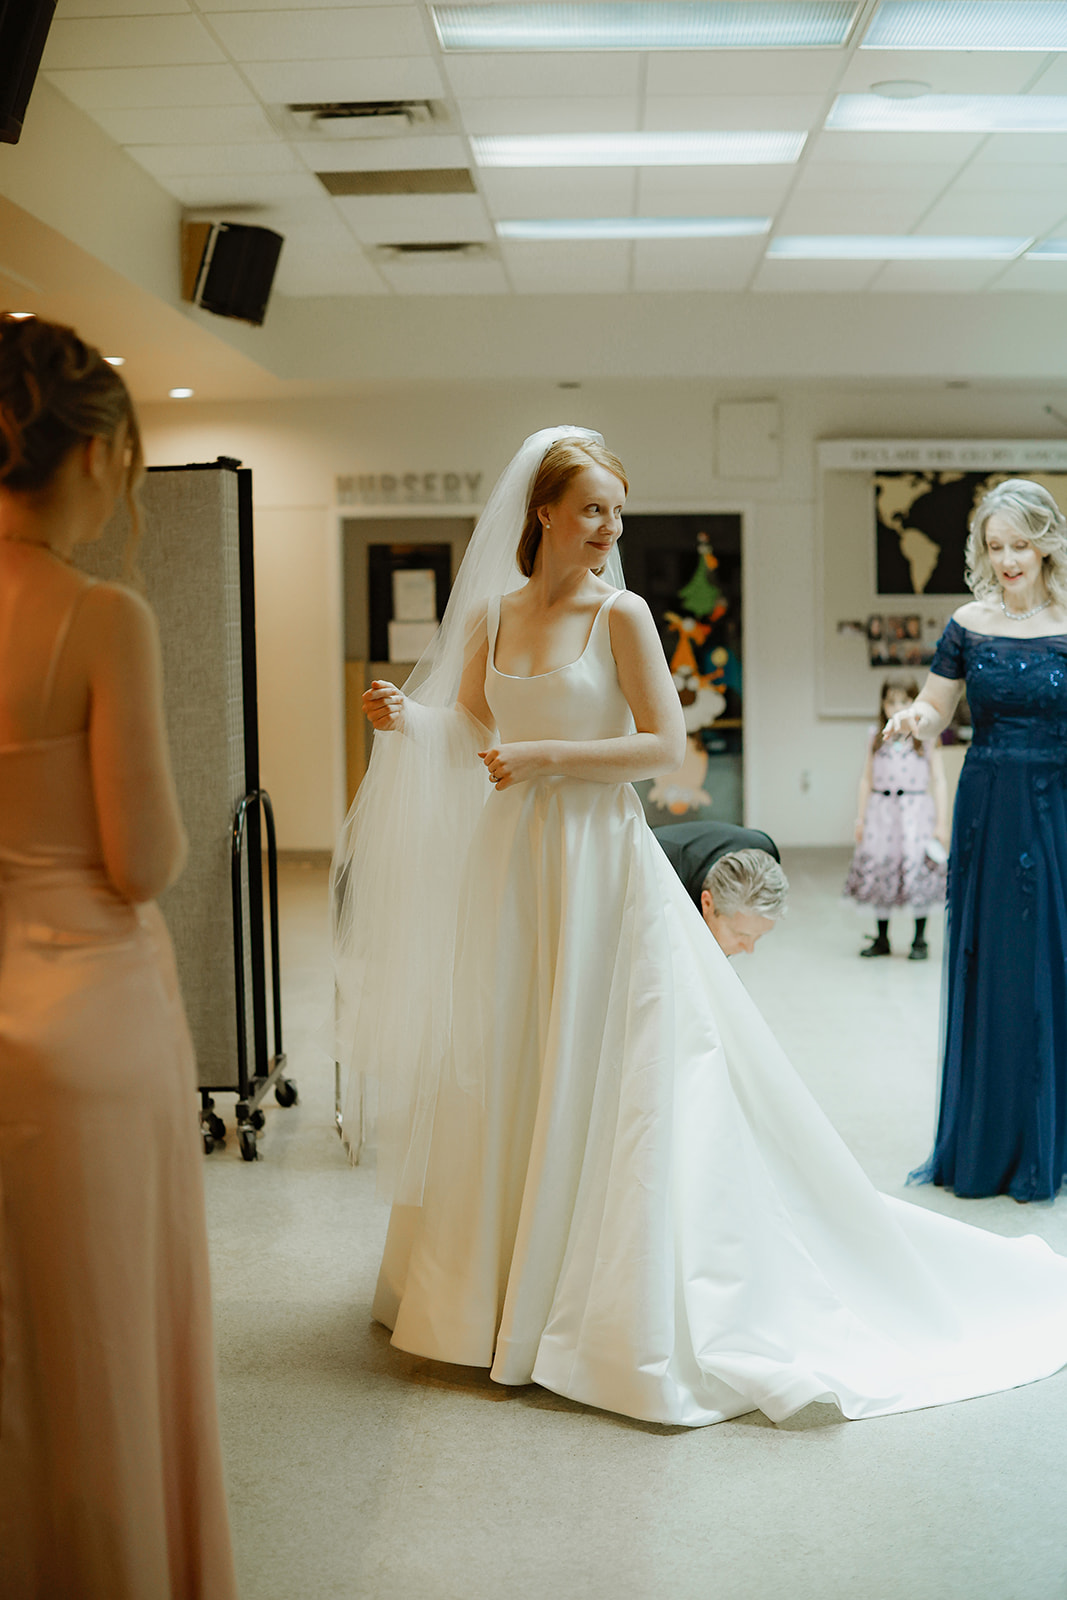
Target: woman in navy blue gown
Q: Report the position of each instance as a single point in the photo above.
(1002, 1127)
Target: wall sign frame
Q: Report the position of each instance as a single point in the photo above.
(847, 574)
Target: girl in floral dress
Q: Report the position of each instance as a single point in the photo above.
(902, 828)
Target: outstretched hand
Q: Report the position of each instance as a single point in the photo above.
(919, 719)
(516, 763)
(383, 706)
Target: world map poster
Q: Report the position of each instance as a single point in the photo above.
(922, 520)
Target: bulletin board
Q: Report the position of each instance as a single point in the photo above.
(891, 520)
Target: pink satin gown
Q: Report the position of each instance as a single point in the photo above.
(110, 1466)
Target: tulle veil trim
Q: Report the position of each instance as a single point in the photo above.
(401, 858)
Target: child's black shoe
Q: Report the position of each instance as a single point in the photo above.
(919, 951)
(878, 946)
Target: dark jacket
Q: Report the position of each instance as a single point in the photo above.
(693, 848)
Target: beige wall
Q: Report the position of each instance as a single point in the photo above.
(801, 769)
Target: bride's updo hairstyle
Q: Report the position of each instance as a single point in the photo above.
(56, 392)
(1034, 513)
(560, 463)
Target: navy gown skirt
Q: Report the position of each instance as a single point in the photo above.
(1002, 1126)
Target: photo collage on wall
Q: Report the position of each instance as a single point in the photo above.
(688, 568)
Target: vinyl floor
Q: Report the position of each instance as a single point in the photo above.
(358, 1473)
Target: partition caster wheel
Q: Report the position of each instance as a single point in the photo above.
(209, 1143)
(285, 1092)
(249, 1143)
(257, 1119)
(214, 1125)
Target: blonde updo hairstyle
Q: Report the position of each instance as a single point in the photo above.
(57, 392)
(1033, 512)
(560, 463)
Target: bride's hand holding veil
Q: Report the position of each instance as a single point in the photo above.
(383, 706)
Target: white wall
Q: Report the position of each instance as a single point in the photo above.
(801, 769)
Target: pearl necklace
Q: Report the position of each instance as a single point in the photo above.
(1022, 616)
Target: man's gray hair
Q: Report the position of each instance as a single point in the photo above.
(747, 880)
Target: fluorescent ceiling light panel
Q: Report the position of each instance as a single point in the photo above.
(893, 247)
(1051, 250)
(968, 25)
(640, 25)
(637, 149)
(636, 228)
(949, 113)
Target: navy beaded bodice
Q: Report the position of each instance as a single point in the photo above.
(1016, 689)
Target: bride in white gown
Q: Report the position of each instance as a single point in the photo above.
(607, 1179)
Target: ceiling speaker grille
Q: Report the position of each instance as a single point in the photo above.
(432, 180)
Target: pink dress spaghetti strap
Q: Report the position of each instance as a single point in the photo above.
(110, 1465)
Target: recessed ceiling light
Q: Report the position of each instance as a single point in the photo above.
(115, 361)
(181, 394)
(901, 88)
(637, 149)
(1049, 250)
(635, 228)
(894, 247)
(968, 25)
(647, 25)
(22, 316)
(950, 113)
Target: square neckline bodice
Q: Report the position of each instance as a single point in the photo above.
(532, 677)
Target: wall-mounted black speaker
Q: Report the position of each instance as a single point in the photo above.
(24, 26)
(228, 267)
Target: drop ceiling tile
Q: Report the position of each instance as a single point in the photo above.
(314, 275)
(946, 71)
(712, 191)
(893, 148)
(815, 277)
(1033, 277)
(982, 175)
(579, 75)
(445, 277)
(214, 7)
(583, 266)
(688, 264)
(383, 78)
(128, 88)
(416, 153)
(1054, 79)
(415, 219)
(129, 42)
(869, 211)
(314, 35)
(759, 72)
(221, 125)
(1021, 148)
(499, 114)
(680, 113)
(197, 160)
(922, 180)
(67, 9)
(936, 277)
(259, 191)
(993, 211)
(566, 192)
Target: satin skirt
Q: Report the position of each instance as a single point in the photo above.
(110, 1471)
(632, 1199)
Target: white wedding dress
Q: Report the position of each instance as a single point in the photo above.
(630, 1198)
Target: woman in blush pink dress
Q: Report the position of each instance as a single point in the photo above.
(110, 1469)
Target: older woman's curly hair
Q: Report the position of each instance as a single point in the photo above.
(1034, 513)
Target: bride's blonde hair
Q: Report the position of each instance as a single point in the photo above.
(1034, 513)
(560, 463)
